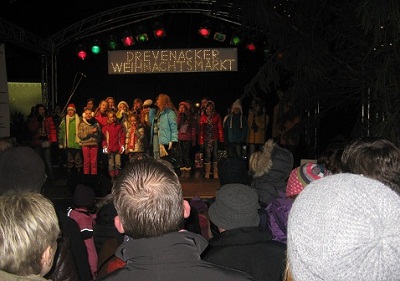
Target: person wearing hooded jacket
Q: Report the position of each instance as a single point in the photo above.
(235, 130)
(270, 170)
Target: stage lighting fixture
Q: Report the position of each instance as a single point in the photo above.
(127, 39)
(219, 36)
(158, 30)
(220, 33)
(251, 47)
(96, 49)
(142, 37)
(141, 34)
(235, 40)
(205, 32)
(205, 28)
(81, 52)
(112, 43)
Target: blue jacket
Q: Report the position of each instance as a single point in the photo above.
(167, 126)
(235, 128)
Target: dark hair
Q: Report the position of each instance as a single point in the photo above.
(375, 158)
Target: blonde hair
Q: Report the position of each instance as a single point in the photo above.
(28, 225)
(166, 102)
(260, 162)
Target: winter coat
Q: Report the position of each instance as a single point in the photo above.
(101, 118)
(217, 129)
(186, 128)
(68, 132)
(86, 222)
(85, 132)
(41, 130)
(257, 127)
(166, 125)
(249, 249)
(235, 128)
(5, 276)
(113, 137)
(135, 139)
(272, 172)
(174, 256)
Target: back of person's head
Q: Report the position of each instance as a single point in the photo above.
(271, 158)
(236, 205)
(84, 196)
(345, 227)
(28, 226)
(21, 168)
(232, 170)
(374, 158)
(148, 199)
(301, 176)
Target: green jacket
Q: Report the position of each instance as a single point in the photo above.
(68, 132)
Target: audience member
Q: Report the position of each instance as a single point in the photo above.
(233, 170)
(275, 217)
(374, 158)
(28, 234)
(270, 169)
(84, 212)
(68, 139)
(22, 169)
(344, 227)
(151, 211)
(241, 244)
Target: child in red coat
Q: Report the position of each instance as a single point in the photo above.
(113, 143)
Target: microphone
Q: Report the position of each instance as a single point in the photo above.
(81, 73)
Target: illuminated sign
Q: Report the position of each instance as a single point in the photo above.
(172, 61)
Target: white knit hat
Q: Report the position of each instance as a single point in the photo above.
(345, 227)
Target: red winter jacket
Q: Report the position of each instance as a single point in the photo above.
(217, 128)
(37, 127)
(113, 137)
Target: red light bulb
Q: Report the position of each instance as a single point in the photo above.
(82, 55)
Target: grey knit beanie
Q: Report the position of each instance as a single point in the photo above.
(236, 205)
(345, 227)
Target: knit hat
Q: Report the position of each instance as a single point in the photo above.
(301, 176)
(236, 205)
(147, 103)
(21, 168)
(232, 170)
(124, 103)
(345, 227)
(84, 196)
(71, 106)
(237, 104)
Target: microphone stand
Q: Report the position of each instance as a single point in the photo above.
(73, 92)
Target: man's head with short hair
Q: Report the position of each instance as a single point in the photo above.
(374, 158)
(21, 168)
(28, 229)
(148, 199)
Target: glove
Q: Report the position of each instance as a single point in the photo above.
(121, 150)
(105, 150)
(60, 146)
